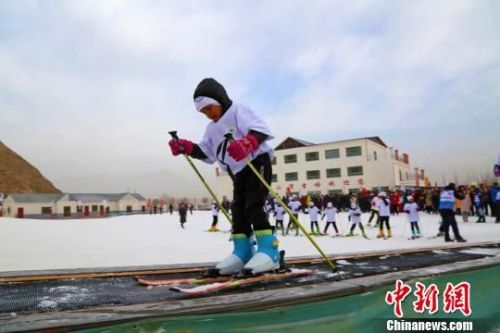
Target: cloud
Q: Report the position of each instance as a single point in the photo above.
(88, 86)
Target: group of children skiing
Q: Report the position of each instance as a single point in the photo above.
(380, 210)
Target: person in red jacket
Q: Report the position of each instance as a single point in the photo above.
(394, 199)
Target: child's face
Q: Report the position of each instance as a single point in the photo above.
(213, 112)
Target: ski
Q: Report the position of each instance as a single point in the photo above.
(218, 286)
(173, 282)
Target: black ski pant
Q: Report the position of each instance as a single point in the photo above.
(415, 230)
(334, 227)
(279, 225)
(314, 224)
(215, 220)
(249, 196)
(383, 219)
(292, 224)
(448, 217)
(353, 226)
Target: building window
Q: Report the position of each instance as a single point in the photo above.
(374, 155)
(333, 173)
(353, 151)
(332, 153)
(313, 156)
(291, 158)
(354, 190)
(274, 161)
(314, 193)
(400, 175)
(94, 208)
(274, 178)
(46, 210)
(334, 192)
(291, 176)
(313, 174)
(355, 171)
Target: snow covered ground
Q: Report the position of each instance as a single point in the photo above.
(158, 240)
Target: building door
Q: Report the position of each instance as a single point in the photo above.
(67, 210)
(86, 211)
(20, 212)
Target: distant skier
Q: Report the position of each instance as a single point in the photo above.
(447, 211)
(182, 209)
(384, 211)
(295, 207)
(480, 205)
(355, 215)
(250, 142)
(374, 211)
(411, 208)
(170, 208)
(331, 216)
(313, 216)
(191, 207)
(215, 217)
(279, 214)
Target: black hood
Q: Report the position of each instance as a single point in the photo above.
(211, 88)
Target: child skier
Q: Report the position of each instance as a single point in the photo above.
(411, 208)
(331, 214)
(480, 207)
(249, 143)
(374, 211)
(384, 211)
(313, 215)
(355, 215)
(215, 217)
(279, 213)
(294, 206)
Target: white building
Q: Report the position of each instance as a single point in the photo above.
(40, 205)
(302, 167)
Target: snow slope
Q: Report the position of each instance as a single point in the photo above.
(158, 240)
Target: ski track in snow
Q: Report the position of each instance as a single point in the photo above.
(142, 240)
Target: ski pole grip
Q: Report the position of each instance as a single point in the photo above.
(229, 136)
(174, 135)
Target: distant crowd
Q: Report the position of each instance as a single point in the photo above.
(478, 200)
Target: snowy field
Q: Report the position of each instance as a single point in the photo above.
(159, 240)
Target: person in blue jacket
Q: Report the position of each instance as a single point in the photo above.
(447, 211)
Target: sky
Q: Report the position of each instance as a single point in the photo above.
(89, 89)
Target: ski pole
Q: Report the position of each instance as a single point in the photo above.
(285, 207)
(214, 197)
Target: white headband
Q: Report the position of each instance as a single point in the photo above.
(201, 101)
